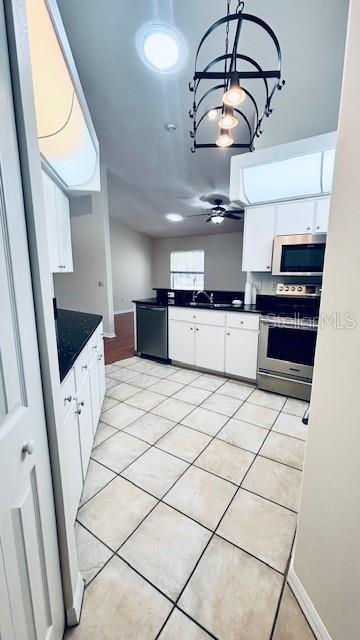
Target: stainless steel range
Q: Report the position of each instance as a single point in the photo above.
(288, 340)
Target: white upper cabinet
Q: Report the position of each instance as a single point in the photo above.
(259, 232)
(295, 217)
(322, 215)
(67, 138)
(57, 227)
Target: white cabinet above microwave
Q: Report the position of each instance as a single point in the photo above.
(67, 139)
(263, 224)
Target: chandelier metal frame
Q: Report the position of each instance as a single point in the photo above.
(271, 79)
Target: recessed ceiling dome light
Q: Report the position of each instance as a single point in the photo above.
(161, 47)
(174, 217)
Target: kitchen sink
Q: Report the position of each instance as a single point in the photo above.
(210, 305)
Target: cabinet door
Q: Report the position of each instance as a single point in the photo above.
(64, 230)
(181, 341)
(258, 238)
(85, 422)
(96, 402)
(241, 349)
(51, 223)
(209, 347)
(72, 461)
(322, 215)
(295, 217)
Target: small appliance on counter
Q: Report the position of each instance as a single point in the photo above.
(288, 340)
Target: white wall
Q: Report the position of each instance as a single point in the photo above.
(89, 287)
(132, 265)
(327, 552)
(223, 258)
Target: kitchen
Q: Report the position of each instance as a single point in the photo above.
(172, 468)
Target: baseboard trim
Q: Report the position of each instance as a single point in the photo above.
(307, 607)
(73, 614)
(119, 313)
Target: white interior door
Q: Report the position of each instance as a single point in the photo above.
(30, 586)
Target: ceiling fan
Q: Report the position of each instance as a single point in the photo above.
(218, 213)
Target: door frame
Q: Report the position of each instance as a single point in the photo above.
(30, 165)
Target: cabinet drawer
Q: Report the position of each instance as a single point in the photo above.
(93, 346)
(68, 392)
(239, 320)
(179, 313)
(81, 366)
(205, 316)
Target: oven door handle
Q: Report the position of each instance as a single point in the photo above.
(289, 325)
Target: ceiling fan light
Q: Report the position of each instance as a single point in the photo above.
(224, 139)
(217, 219)
(235, 95)
(228, 120)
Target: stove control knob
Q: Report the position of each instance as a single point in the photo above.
(299, 289)
(292, 288)
(286, 288)
(281, 288)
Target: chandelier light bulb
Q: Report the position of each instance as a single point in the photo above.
(217, 219)
(235, 95)
(228, 120)
(212, 114)
(224, 140)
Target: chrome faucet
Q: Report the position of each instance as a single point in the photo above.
(205, 293)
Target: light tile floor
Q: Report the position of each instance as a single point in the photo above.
(189, 509)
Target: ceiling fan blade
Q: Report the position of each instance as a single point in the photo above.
(232, 217)
(195, 215)
(238, 212)
(209, 219)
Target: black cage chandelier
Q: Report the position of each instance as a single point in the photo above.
(229, 82)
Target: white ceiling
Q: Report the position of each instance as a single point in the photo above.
(152, 172)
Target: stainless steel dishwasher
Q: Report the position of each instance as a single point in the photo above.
(152, 330)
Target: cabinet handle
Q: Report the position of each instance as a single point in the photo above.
(318, 227)
(228, 334)
(100, 357)
(68, 399)
(95, 346)
(241, 321)
(78, 411)
(191, 328)
(268, 266)
(28, 448)
(197, 329)
(84, 366)
(81, 404)
(307, 228)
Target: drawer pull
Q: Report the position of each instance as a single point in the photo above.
(81, 404)
(28, 448)
(197, 329)
(228, 334)
(84, 367)
(95, 346)
(100, 357)
(78, 411)
(68, 399)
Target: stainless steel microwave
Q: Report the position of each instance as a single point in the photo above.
(299, 255)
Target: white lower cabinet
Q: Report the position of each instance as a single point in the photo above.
(71, 454)
(228, 345)
(83, 392)
(182, 341)
(86, 430)
(241, 349)
(209, 347)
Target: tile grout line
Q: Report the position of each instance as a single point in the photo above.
(118, 474)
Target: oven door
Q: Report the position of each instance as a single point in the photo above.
(287, 348)
(299, 255)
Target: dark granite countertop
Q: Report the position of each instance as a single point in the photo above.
(265, 305)
(73, 330)
(217, 306)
